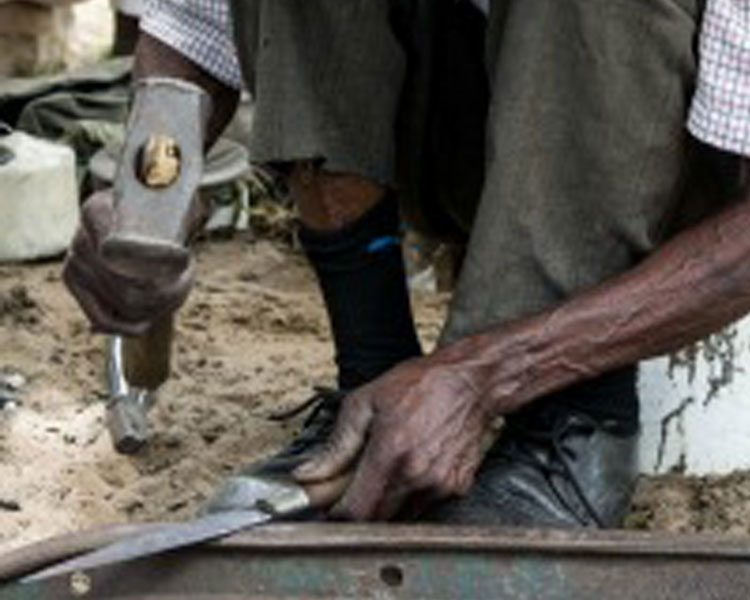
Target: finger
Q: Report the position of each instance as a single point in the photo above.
(143, 299)
(102, 319)
(410, 480)
(466, 473)
(140, 298)
(368, 488)
(104, 322)
(97, 216)
(454, 477)
(325, 494)
(86, 277)
(424, 490)
(173, 294)
(81, 244)
(114, 302)
(392, 501)
(344, 445)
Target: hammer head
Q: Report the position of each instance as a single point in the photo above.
(157, 180)
(127, 422)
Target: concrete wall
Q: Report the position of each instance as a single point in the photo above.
(695, 406)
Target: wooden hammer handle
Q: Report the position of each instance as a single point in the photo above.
(147, 358)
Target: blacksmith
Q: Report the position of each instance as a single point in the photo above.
(590, 155)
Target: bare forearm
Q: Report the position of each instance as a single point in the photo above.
(156, 59)
(689, 288)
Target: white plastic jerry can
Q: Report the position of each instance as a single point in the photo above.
(39, 208)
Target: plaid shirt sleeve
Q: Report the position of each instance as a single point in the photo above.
(720, 112)
(198, 29)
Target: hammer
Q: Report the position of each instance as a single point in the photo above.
(155, 213)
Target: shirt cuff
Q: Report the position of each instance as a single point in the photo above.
(204, 39)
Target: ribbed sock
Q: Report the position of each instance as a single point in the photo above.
(361, 273)
(609, 397)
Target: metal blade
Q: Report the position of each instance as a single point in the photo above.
(171, 537)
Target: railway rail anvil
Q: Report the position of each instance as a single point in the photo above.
(377, 562)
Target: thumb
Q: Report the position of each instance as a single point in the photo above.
(97, 216)
(343, 446)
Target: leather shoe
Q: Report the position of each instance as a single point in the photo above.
(558, 469)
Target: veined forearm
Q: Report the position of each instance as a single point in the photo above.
(692, 286)
(156, 59)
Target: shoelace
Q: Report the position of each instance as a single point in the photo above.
(322, 395)
(521, 437)
(325, 403)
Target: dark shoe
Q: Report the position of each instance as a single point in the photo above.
(561, 469)
(240, 491)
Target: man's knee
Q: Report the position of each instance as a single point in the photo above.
(329, 201)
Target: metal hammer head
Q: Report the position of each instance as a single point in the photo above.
(157, 179)
(127, 422)
(128, 406)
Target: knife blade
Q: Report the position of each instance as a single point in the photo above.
(171, 537)
(282, 498)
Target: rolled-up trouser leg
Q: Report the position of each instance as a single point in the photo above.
(586, 172)
(326, 77)
(586, 160)
(586, 149)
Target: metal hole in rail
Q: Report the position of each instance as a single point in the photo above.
(392, 576)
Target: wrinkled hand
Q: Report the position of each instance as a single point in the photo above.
(417, 432)
(115, 303)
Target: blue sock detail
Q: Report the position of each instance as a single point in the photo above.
(361, 273)
(382, 243)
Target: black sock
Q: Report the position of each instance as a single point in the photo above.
(609, 397)
(612, 396)
(361, 273)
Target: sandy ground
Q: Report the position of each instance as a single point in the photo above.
(253, 339)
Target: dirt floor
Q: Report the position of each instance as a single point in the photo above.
(252, 340)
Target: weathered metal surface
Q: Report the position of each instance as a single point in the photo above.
(127, 406)
(152, 224)
(395, 562)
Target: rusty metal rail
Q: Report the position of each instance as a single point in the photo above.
(394, 562)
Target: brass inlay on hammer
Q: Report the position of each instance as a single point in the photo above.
(160, 161)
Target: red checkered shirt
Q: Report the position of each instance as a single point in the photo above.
(720, 111)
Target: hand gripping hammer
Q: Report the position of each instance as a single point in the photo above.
(156, 211)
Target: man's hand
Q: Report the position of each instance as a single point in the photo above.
(419, 428)
(112, 302)
(417, 431)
